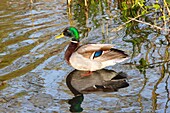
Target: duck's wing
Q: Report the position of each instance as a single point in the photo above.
(92, 57)
(112, 54)
(93, 47)
(101, 52)
(89, 50)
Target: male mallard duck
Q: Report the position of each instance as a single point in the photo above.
(90, 57)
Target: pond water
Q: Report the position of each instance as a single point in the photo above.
(33, 72)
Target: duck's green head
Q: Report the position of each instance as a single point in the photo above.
(71, 32)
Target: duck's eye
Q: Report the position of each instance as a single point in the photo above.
(97, 53)
(67, 33)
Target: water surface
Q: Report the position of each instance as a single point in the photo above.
(33, 72)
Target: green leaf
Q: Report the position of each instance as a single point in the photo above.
(156, 6)
(143, 62)
(144, 12)
(124, 5)
(168, 1)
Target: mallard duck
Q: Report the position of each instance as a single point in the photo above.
(90, 57)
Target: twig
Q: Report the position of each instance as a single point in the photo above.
(148, 65)
(154, 26)
(31, 1)
(121, 26)
(166, 5)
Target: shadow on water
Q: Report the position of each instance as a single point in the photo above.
(99, 81)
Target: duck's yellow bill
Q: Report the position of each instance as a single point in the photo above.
(59, 36)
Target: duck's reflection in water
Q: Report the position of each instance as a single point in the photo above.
(99, 81)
